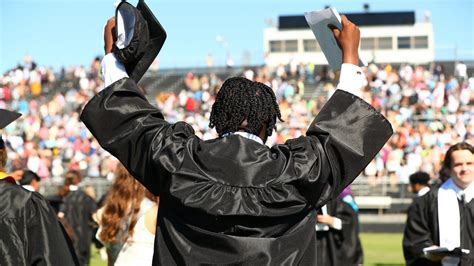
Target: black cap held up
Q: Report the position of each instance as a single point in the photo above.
(6, 117)
(143, 38)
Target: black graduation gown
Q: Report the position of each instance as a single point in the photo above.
(30, 233)
(78, 208)
(232, 200)
(422, 229)
(340, 247)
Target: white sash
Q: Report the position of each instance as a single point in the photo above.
(448, 216)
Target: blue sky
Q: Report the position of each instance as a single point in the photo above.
(59, 32)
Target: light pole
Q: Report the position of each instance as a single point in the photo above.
(223, 42)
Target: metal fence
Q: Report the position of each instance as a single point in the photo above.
(51, 186)
(380, 187)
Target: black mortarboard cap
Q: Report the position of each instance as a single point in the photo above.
(144, 37)
(420, 178)
(6, 117)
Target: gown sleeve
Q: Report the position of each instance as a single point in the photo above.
(48, 243)
(345, 136)
(134, 131)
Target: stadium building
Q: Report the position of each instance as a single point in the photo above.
(386, 37)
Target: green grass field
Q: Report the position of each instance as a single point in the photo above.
(380, 249)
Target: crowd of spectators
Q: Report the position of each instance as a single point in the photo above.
(49, 139)
(428, 108)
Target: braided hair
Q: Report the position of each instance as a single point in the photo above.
(240, 99)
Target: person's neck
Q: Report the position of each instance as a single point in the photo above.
(461, 186)
(246, 135)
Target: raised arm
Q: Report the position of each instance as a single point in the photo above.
(112, 69)
(348, 132)
(130, 128)
(351, 78)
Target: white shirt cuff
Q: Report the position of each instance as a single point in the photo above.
(351, 79)
(112, 69)
(337, 224)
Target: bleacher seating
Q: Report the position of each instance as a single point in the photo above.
(379, 203)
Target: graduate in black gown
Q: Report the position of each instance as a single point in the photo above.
(337, 234)
(76, 209)
(445, 215)
(233, 200)
(30, 233)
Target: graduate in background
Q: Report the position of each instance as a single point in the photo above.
(30, 181)
(77, 209)
(337, 234)
(444, 216)
(30, 233)
(419, 183)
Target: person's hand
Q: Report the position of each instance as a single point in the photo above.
(325, 219)
(433, 257)
(109, 35)
(348, 39)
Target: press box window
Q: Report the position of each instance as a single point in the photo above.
(276, 46)
(367, 43)
(404, 43)
(385, 43)
(291, 46)
(421, 42)
(310, 46)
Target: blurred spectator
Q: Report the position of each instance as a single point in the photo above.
(337, 235)
(429, 109)
(127, 221)
(460, 71)
(419, 183)
(77, 209)
(30, 181)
